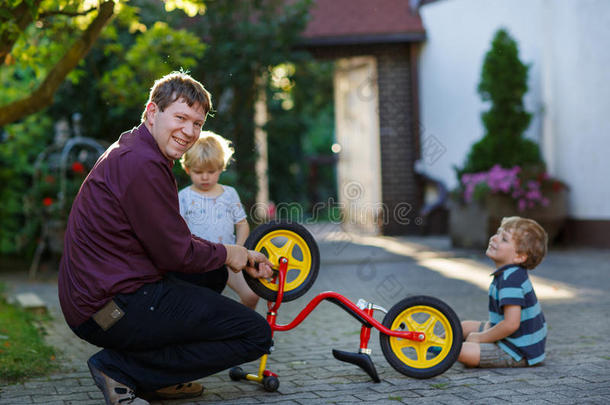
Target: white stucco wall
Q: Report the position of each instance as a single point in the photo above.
(567, 43)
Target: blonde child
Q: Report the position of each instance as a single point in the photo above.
(211, 210)
(515, 334)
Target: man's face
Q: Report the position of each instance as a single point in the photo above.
(177, 128)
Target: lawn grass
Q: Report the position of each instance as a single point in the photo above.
(23, 352)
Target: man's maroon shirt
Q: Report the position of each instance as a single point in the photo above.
(125, 229)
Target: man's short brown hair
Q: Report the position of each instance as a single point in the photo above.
(529, 237)
(175, 86)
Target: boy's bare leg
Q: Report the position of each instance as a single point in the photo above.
(238, 284)
(470, 355)
(470, 326)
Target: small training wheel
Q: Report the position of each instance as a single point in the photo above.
(290, 240)
(237, 373)
(271, 383)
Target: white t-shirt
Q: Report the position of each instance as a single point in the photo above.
(212, 218)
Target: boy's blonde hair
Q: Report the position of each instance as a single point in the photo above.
(529, 237)
(209, 151)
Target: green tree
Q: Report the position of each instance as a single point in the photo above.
(503, 84)
(244, 39)
(300, 130)
(108, 86)
(19, 146)
(43, 41)
(35, 35)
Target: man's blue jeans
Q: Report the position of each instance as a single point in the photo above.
(174, 332)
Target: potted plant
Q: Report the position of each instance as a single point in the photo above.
(504, 173)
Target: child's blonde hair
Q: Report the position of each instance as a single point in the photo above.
(529, 237)
(210, 150)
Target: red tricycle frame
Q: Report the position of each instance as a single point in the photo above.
(365, 316)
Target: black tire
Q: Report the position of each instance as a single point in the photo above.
(271, 383)
(237, 374)
(303, 266)
(443, 337)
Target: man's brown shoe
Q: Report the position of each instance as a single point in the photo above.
(180, 391)
(114, 392)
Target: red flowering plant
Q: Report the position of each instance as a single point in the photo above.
(53, 190)
(57, 190)
(528, 188)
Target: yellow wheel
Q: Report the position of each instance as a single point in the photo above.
(443, 340)
(295, 243)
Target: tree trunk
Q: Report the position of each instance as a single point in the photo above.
(43, 95)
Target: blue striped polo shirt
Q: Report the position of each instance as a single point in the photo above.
(512, 286)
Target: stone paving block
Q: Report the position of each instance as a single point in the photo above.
(589, 387)
(461, 391)
(281, 399)
(74, 389)
(561, 380)
(600, 378)
(407, 383)
(509, 399)
(321, 388)
(39, 390)
(326, 401)
(44, 399)
(553, 397)
(452, 399)
(51, 402)
(596, 400)
(603, 391)
(390, 401)
(85, 381)
(13, 391)
(467, 382)
(240, 401)
(24, 399)
(97, 394)
(387, 387)
(373, 396)
(36, 385)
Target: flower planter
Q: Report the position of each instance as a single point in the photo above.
(471, 225)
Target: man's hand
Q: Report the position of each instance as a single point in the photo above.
(263, 270)
(237, 257)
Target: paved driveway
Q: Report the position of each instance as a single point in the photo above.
(571, 285)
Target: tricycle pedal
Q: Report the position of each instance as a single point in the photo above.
(362, 360)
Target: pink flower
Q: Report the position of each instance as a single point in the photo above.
(512, 182)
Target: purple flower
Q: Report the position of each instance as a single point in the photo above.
(513, 182)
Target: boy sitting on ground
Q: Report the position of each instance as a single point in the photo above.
(515, 334)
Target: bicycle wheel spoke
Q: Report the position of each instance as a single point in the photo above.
(403, 343)
(411, 323)
(286, 249)
(435, 340)
(428, 326)
(421, 351)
